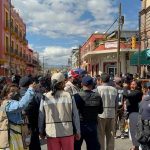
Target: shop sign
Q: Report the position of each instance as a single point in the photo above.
(111, 44)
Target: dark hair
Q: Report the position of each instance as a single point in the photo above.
(6, 89)
(56, 86)
(139, 84)
(105, 77)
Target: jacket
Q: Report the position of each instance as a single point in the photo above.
(10, 111)
(89, 105)
(59, 113)
(133, 98)
(109, 98)
(32, 111)
(145, 108)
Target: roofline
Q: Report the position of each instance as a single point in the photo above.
(91, 36)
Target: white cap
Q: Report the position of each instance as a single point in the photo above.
(58, 76)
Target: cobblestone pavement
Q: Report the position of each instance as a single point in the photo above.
(120, 144)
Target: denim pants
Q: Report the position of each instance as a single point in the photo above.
(89, 134)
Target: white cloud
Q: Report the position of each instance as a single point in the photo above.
(56, 55)
(62, 18)
(57, 18)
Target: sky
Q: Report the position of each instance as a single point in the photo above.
(55, 27)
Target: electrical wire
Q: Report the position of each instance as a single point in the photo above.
(111, 26)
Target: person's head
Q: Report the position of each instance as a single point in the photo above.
(10, 91)
(87, 83)
(105, 78)
(74, 77)
(118, 81)
(25, 81)
(57, 82)
(135, 85)
(98, 80)
(3, 80)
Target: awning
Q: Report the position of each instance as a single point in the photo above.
(144, 58)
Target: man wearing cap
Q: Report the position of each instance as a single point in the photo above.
(106, 120)
(58, 114)
(32, 112)
(89, 105)
(72, 85)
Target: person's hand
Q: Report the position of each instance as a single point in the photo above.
(77, 137)
(42, 136)
(33, 85)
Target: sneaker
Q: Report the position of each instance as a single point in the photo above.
(115, 137)
(122, 136)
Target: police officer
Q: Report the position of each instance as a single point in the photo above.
(145, 116)
(90, 105)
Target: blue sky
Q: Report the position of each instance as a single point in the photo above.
(54, 27)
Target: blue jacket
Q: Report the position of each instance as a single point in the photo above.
(14, 108)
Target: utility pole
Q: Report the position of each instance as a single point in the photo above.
(139, 51)
(118, 47)
(10, 38)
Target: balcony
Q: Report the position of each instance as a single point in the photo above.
(16, 32)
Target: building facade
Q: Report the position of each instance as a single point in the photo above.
(75, 58)
(145, 34)
(14, 52)
(99, 53)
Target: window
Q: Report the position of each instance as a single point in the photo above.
(16, 29)
(7, 43)
(12, 46)
(17, 48)
(6, 19)
(12, 24)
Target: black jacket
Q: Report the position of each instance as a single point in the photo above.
(89, 105)
(32, 110)
(133, 98)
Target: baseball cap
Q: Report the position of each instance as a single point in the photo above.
(25, 81)
(59, 77)
(87, 80)
(72, 73)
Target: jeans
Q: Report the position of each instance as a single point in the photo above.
(89, 134)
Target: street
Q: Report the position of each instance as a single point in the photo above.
(120, 144)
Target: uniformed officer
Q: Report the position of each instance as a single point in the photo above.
(89, 105)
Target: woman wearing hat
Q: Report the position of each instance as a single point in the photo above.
(59, 111)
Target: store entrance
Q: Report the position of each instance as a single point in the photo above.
(112, 71)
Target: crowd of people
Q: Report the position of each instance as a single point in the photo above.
(69, 107)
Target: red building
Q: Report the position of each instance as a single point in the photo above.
(14, 49)
(99, 53)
